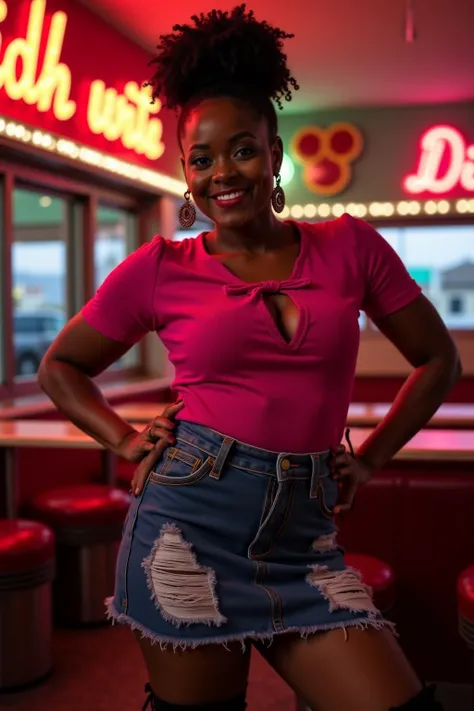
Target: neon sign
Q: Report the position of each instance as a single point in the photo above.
(446, 161)
(327, 155)
(127, 117)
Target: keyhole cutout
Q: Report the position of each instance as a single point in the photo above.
(285, 314)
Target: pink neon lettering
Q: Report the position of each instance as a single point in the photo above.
(434, 144)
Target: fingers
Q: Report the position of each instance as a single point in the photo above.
(171, 410)
(342, 465)
(163, 424)
(346, 498)
(157, 436)
(146, 466)
(154, 433)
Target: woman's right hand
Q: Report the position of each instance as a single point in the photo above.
(146, 447)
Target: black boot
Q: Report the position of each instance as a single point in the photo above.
(424, 701)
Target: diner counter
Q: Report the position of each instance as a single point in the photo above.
(427, 445)
(449, 416)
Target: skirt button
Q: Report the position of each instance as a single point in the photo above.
(285, 464)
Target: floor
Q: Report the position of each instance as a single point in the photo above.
(101, 670)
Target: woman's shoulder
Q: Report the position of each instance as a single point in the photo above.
(158, 251)
(350, 234)
(339, 228)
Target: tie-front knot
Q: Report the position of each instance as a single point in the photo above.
(266, 287)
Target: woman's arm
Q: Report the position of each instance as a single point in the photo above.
(421, 336)
(66, 373)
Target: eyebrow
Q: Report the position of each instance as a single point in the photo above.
(237, 137)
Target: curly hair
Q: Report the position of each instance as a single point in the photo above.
(223, 53)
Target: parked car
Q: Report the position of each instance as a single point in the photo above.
(33, 333)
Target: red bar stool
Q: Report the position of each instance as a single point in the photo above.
(379, 576)
(26, 574)
(465, 594)
(88, 522)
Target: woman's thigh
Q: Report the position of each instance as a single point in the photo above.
(196, 676)
(354, 670)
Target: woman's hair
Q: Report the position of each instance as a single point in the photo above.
(223, 54)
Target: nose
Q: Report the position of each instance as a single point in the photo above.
(224, 171)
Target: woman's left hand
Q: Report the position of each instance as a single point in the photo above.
(350, 472)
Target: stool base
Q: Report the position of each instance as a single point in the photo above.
(25, 658)
(85, 577)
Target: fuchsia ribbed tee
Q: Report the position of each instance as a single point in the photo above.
(233, 369)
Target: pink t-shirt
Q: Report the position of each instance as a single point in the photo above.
(234, 371)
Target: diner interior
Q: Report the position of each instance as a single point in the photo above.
(65, 226)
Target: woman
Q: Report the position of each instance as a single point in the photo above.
(230, 539)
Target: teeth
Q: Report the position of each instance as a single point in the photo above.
(231, 196)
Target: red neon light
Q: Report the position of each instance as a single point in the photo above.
(445, 162)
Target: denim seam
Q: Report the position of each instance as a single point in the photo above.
(129, 552)
(288, 509)
(258, 566)
(192, 478)
(279, 601)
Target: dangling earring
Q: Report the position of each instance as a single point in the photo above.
(187, 212)
(278, 196)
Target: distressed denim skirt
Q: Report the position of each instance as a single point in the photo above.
(230, 542)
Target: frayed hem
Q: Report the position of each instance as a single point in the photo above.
(224, 640)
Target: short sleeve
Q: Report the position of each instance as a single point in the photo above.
(388, 285)
(123, 307)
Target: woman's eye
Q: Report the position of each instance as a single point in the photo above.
(244, 152)
(200, 162)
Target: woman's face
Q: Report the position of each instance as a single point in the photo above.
(228, 161)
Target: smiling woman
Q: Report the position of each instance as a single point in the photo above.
(238, 484)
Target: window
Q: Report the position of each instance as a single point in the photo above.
(441, 259)
(115, 239)
(39, 275)
(456, 305)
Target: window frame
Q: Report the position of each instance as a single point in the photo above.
(83, 200)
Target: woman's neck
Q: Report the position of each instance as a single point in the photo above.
(263, 234)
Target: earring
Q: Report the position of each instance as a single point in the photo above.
(187, 212)
(278, 196)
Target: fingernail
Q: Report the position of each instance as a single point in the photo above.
(137, 491)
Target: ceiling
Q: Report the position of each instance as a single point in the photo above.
(347, 53)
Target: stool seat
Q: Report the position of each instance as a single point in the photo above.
(465, 591)
(83, 505)
(378, 575)
(87, 522)
(465, 594)
(24, 545)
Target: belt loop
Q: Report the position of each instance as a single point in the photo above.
(313, 490)
(221, 457)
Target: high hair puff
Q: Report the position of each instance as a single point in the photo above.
(218, 50)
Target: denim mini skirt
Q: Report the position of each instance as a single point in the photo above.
(231, 542)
